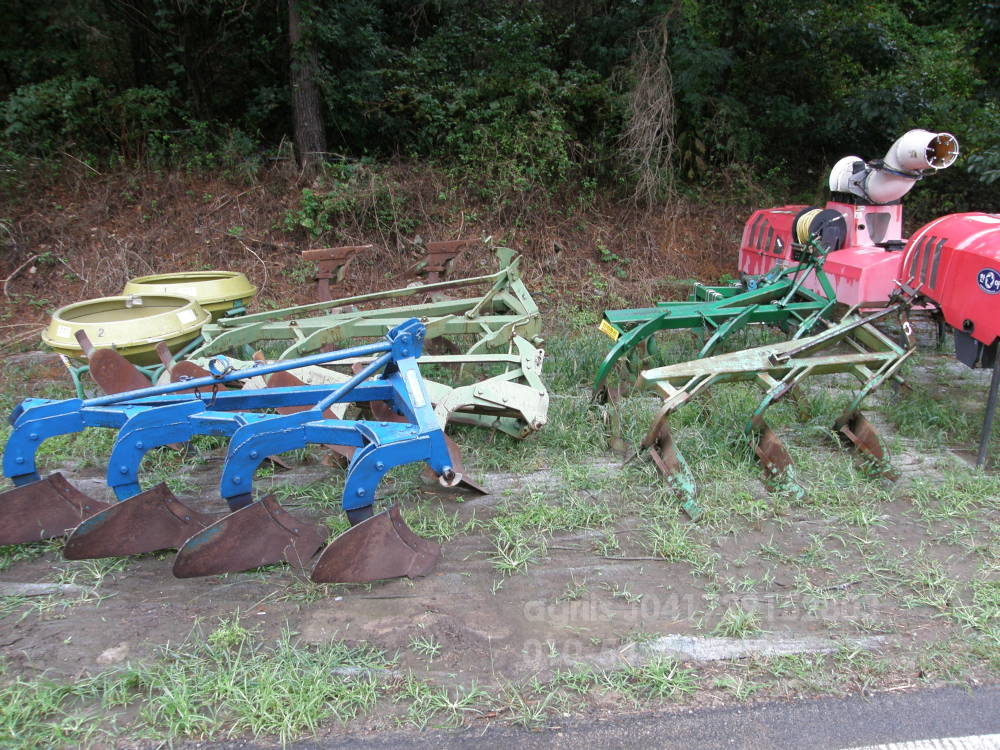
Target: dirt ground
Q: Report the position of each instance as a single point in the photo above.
(573, 603)
(573, 567)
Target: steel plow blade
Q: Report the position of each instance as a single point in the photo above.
(185, 370)
(180, 370)
(463, 483)
(109, 369)
(779, 471)
(259, 534)
(147, 522)
(860, 432)
(44, 509)
(856, 430)
(380, 547)
(383, 412)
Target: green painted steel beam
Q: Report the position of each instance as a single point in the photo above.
(781, 300)
(490, 319)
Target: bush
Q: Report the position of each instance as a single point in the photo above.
(357, 198)
(136, 125)
(44, 117)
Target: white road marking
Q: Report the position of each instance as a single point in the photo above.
(974, 742)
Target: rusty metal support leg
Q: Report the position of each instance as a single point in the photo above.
(611, 412)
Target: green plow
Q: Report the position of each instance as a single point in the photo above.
(852, 346)
(778, 299)
(469, 324)
(488, 324)
(508, 395)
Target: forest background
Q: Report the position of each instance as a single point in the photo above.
(522, 111)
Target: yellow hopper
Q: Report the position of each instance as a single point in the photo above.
(216, 291)
(132, 324)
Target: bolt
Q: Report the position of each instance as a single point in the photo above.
(254, 454)
(361, 492)
(33, 436)
(139, 445)
(123, 469)
(379, 466)
(237, 480)
(19, 459)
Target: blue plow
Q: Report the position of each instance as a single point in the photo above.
(253, 532)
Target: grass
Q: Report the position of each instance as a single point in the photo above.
(428, 705)
(856, 554)
(224, 683)
(736, 622)
(520, 530)
(49, 713)
(234, 686)
(662, 677)
(425, 645)
(14, 553)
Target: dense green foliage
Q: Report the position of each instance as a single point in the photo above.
(511, 97)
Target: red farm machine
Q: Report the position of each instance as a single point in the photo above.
(953, 262)
(801, 267)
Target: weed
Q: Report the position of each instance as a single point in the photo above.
(523, 712)
(519, 531)
(226, 683)
(45, 713)
(237, 684)
(580, 680)
(929, 415)
(737, 622)
(608, 544)
(661, 677)
(573, 591)
(425, 645)
(674, 542)
(229, 634)
(861, 667)
(742, 688)
(436, 522)
(12, 553)
(797, 673)
(930, 583)
(448, 708)
(622, 592)
(983, 611)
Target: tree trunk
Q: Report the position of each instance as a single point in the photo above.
(310, 136)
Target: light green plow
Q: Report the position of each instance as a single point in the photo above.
(852, 346)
